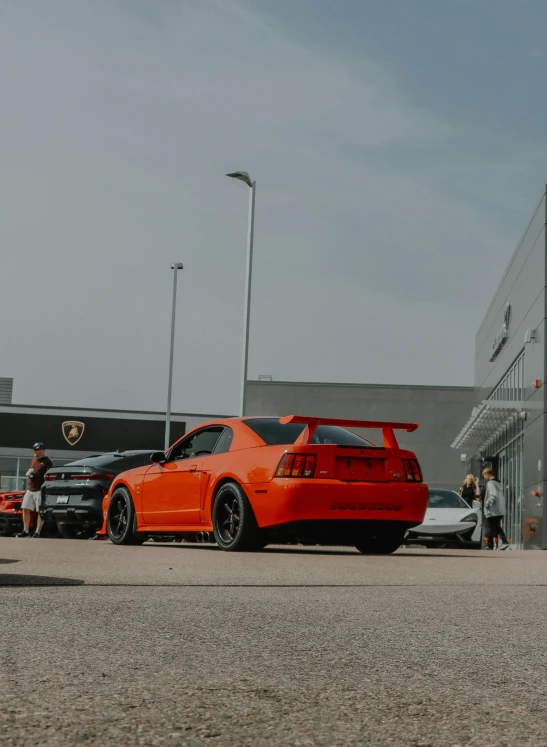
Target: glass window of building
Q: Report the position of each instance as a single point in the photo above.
(511, 387)
(8, 473)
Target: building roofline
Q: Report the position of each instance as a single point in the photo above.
(15, 406)
(360, 386)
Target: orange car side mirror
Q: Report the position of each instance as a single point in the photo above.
(158, 457)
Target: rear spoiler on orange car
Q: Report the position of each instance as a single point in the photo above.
(387, 428)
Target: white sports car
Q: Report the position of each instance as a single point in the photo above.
(448, 522)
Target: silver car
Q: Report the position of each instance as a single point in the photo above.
(448, 522)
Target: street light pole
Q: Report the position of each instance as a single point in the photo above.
(175, 267)
(244, 177)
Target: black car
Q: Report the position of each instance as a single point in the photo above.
(72, 495)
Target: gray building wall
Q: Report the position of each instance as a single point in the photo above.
(441, 412)
(6, 391)
(523, 286)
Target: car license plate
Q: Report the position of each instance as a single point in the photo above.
(62, 499)
(359, 469)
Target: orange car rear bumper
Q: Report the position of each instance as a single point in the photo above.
(285, 500)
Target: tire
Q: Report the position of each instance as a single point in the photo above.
(382, 541)
(234, 523)
(120, 520)
(50, 530)
(73, 531)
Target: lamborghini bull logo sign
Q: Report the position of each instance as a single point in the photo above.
(73, 430)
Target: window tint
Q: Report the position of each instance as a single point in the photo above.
(115, 463)
(445, 499)
(107, 461)
(198, 444)
(134, 460)
(272, 432)
(225, 441)
(333, 434)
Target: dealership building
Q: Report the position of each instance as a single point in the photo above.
(506, 426)
(500, 421)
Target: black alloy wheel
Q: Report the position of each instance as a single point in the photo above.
(120, 520)
(234, 522)
(383, 541)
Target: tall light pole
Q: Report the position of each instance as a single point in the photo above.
(244, 177)
(175, 267)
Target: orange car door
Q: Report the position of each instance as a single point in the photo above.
(171, 493)
(171, 490)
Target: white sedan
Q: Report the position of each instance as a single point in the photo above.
(448, 521)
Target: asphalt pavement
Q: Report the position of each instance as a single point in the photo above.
(170, 644)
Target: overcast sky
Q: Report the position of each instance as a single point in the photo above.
(398, 147)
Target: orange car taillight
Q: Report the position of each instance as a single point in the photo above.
(412, 470)
(296, 465)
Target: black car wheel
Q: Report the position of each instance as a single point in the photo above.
(383, 541)
(120, 519)
(234, 522)
(74, 531)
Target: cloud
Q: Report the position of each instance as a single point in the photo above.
(381, 226)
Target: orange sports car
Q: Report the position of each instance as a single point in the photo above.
(11, 513)
(246, 482)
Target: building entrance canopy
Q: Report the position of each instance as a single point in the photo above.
(487, 420)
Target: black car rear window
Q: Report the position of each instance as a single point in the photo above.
(114, 462)
(274, 433)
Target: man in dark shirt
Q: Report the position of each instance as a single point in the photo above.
(36, 473)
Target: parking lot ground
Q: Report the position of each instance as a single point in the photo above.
(170, 644)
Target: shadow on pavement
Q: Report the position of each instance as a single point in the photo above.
(399, 554)
(312, 550)
(403, 554)
(13, 579)
(295, 550)
(181, 546)
(5, 561)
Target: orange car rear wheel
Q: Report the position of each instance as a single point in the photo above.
(120, 520)
(381, 540)
(234, 522)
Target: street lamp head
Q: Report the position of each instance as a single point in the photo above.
(243, 176)
(177, 266)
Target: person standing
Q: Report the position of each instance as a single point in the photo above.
(36, 473)
(484, 523)
(494, 511)
(469, 491)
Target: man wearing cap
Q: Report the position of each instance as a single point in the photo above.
(36, 472)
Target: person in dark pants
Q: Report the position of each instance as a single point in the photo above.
(480, 498)
(494, 511)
